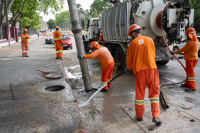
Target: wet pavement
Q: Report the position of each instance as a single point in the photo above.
(38, 110)
(105, 113)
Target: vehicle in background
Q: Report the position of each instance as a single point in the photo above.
(49, 41)
(182, 44)
(67, 43)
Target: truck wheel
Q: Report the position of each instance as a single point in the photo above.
(120, 58)
(85, 47)
(111, 49)
(165, 62)
(159, 63)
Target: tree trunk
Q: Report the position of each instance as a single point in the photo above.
(79, 43)
(7, 23)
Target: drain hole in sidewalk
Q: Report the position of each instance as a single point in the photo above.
(192, 120)
(75, 101)
(55, 88)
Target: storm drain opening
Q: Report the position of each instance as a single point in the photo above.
(55, 88)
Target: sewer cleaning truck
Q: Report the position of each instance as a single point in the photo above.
(174, 16)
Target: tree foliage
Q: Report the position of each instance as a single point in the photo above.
(62, 18)
(98, 6)
(27, 11)
(51, 23)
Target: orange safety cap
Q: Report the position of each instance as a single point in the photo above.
(25, 29)
(95, 44)
(57, 27)
(191, 33)
(132, 28)
(96, 16)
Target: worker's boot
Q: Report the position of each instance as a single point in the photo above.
(60, 58)
(57, 57)
(157, 121)
(104, 90)
(183, 85)
(26, 56)
(139, 119)
(187, 89)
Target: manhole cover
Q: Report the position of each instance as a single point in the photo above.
(55, 88)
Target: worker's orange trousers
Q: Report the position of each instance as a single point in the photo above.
(190, 65)
(24, 47)
(59, 49)
(107, 74)
(149, 77)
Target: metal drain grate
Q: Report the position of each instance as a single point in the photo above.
(55, 88)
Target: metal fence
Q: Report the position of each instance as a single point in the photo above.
(12, 33)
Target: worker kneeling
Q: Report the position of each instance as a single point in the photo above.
(141, 58)
(106, 60)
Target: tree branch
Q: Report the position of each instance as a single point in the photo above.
(16, 15)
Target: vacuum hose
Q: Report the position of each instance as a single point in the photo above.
(175, 57)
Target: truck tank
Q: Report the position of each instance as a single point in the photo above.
(149, 15)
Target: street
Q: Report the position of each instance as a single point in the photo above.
(37, 110)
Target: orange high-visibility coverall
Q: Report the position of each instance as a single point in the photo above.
(24, 44)
(107, 63)
(141, 57)
(58, 42)
(191, 56)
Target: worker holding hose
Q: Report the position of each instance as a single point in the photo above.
(141, 58)
(106, 60)
(191, 56)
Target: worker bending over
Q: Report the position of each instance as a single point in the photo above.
(106, 60)
(58, 42)
(24, 43)
(191, 56)
(141, 58)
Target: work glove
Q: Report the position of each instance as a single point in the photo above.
(172, 52)
(79, 56)
(127, 71)
(62, 43)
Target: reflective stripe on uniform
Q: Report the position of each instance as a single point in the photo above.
(154, 100)
(191, 78)
(59, 51)
(26, 51)
(56, 38)
(24, 39)
(193, 32)
(139, 102)
(104, 83)
(23, 51)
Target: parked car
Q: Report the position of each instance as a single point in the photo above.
(182, 44)
(67, 43)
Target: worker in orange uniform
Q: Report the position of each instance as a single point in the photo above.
(191, 56)
(106, 60)
(24, 43)
(141, 58)
(58, 42)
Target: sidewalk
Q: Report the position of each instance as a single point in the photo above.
(35, 109)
